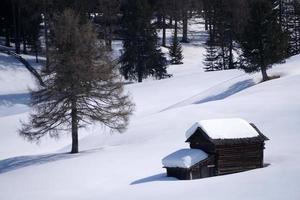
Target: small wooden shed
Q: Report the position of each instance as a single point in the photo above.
(186, 164)
(232, 145)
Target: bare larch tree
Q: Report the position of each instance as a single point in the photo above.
(82, 85)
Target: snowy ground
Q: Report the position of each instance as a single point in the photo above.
(128, 165)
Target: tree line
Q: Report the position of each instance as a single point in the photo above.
(251, 35)
(82, 80)
(25, 26)
(25, 22)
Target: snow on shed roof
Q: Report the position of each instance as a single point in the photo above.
(184, 158)
(229, 128)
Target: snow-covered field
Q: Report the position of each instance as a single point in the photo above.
(128, 165)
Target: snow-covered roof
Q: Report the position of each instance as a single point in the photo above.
(184, 158)
(229, 128)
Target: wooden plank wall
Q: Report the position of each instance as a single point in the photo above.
(239, 157)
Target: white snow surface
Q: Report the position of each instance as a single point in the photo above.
(227, 128)
(128, 165)
(14, 77)
(184, 158)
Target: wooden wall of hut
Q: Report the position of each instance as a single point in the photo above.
(239, 157)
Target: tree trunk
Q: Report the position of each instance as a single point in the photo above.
(185, 27)
(18, 39)
(140, 76)
(223, 56)
(159, 19)
(205, 19)
(264, 74)
(231, 64)
(16, 22)
(211, 25)
(36, 54)
(175, 28)
(74, 127)
(140, 67)
(105, 36)
(7, 34)
(280, 13)
(164, 31)
(46, 18)
(24, 45)
(46, 41)
(109, 38)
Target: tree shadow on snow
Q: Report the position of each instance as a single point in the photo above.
(15, 163)
(10, 99)
(233, 89)
(157, 177)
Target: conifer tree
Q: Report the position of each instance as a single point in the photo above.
(82, 85)
(211, 60)
(263, 42)
(289, 12)
(107, 19)
(141, 56)
(175, 51)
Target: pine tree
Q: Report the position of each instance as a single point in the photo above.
(31, 26)
(211, 60)
(16, 13)
(82, 85)
(175, 51)
(185, 6)
(141, 56)
(290, 21)
(263, 42)
(289, 18)
(6, 21)
(107, 19)
(219, 18)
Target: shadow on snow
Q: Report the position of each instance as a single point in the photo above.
(154, 178)
(10, 99)
(233, 89)
(215, 93)
(15, 163)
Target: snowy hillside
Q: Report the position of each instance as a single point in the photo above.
(128, 165)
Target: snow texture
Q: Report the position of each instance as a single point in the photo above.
(184, 158)
(230, 128)
(128, 166)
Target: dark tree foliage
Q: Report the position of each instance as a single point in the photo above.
(175, 52)
(161, 14)
(289, 18)
(20, 22)
(6, 21)
(82, 85)
(184, 12)
(220, 23)
(141, 56)
(108, 20)
(180, 11)
(263, 42)
(211, 60)
(31, 20)
(225, 20)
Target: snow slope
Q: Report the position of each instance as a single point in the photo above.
(128, 165)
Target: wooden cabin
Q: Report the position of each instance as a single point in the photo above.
(232, 145)
(186, 164)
